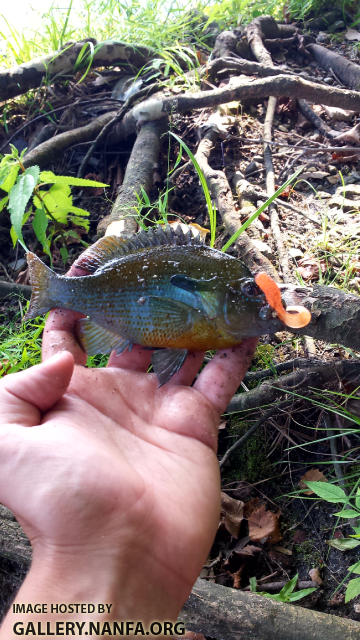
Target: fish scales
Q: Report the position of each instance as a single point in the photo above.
(173, 295)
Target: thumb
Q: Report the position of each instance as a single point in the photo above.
(26, 395)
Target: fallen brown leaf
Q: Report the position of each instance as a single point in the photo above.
(313, 475)
(232, 514)
(250, 506)
(315, 577)
(299, 536)
(264, 526)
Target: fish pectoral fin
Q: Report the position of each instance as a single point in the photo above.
(177, 314)
(167, 362)
(192, 284)
(94, 339)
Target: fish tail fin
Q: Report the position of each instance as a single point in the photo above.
(295, 317)
(41, 280)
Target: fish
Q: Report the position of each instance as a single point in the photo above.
(163, 289)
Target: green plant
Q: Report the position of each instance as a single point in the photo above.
(51, 207)
(287, 593)
(256, 213)
(334, 494)
(211, 208)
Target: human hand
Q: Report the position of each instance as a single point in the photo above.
(114, 480)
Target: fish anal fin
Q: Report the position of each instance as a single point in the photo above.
(94, 339)
(167, 362)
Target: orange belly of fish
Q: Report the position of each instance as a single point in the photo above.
(198, 339)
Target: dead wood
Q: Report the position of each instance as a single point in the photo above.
(270, 188)
(274, 587)
(296, 363)
(7, 288)
(157, 107)
(240, 89)
(335, 314)
(255, 37)
(315, 376)
(225, 614)
(18, 80)
(47, 151)
(220, 190)
(139, 173)
(264, 418)
(348, 72)
(315, 120)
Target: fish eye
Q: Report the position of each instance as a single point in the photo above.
(250, 289)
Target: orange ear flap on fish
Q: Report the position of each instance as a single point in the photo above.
(295, 317)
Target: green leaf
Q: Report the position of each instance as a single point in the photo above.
(10, 180)
(301, 594)
(260, 210)
(4, 202)
(327, 491)
(347, 513)
(49, 176)
(357, 499)
(343, 544)
(289, 587)
(203, 184)
(33, 171)
(357, 530)
(276, 596)
(353, 589)
(19, 197)
(64, 254)
(78, 211)
(40, 224)
(253, 584)
(355, 568)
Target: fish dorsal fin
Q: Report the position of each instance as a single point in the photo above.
(167, 362)
(111, 248)
(95, 339)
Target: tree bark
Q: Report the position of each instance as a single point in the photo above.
(139, 173)
(348, 72)
(335, 314)
(228, 614)
(18, 80)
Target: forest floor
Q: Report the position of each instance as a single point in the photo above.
(272, 527)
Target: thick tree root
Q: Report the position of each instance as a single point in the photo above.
(348, 72)
(47, 151)
(315, 375)
(139, 173)
(225, 614)
(18, 80)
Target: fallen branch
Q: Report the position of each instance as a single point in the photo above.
(220, 190)
(47, 151)
(348, 72)
(315, 376)
(241, 441)
(335, 314)
(224, 614)
(157, 107)
(274, 587)
(10, 288)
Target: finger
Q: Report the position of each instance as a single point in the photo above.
(26, 395)
(138, 359)
(221, 377)
(188, 371)
(58, 335)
